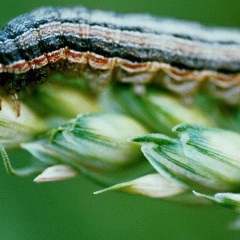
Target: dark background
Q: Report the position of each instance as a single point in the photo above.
(69, 210)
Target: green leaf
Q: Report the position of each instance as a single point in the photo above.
(229, 200)
(96, 145)
(152, 185)
(203, 158)
(16, 130)
(56, 173)
(155, 109)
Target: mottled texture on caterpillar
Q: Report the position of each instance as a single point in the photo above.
(105, 46)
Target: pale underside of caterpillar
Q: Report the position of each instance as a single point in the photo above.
(131, 48)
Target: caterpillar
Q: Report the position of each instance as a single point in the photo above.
(131, 48)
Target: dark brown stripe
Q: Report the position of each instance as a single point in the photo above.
(38, 45)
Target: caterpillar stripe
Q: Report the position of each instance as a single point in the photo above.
(132, 48)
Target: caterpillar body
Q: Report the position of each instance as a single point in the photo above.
(131, 48)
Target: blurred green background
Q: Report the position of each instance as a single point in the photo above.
(69, 210)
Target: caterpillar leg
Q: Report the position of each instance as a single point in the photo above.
(0, 103)
(139, 89)
(16, 102)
